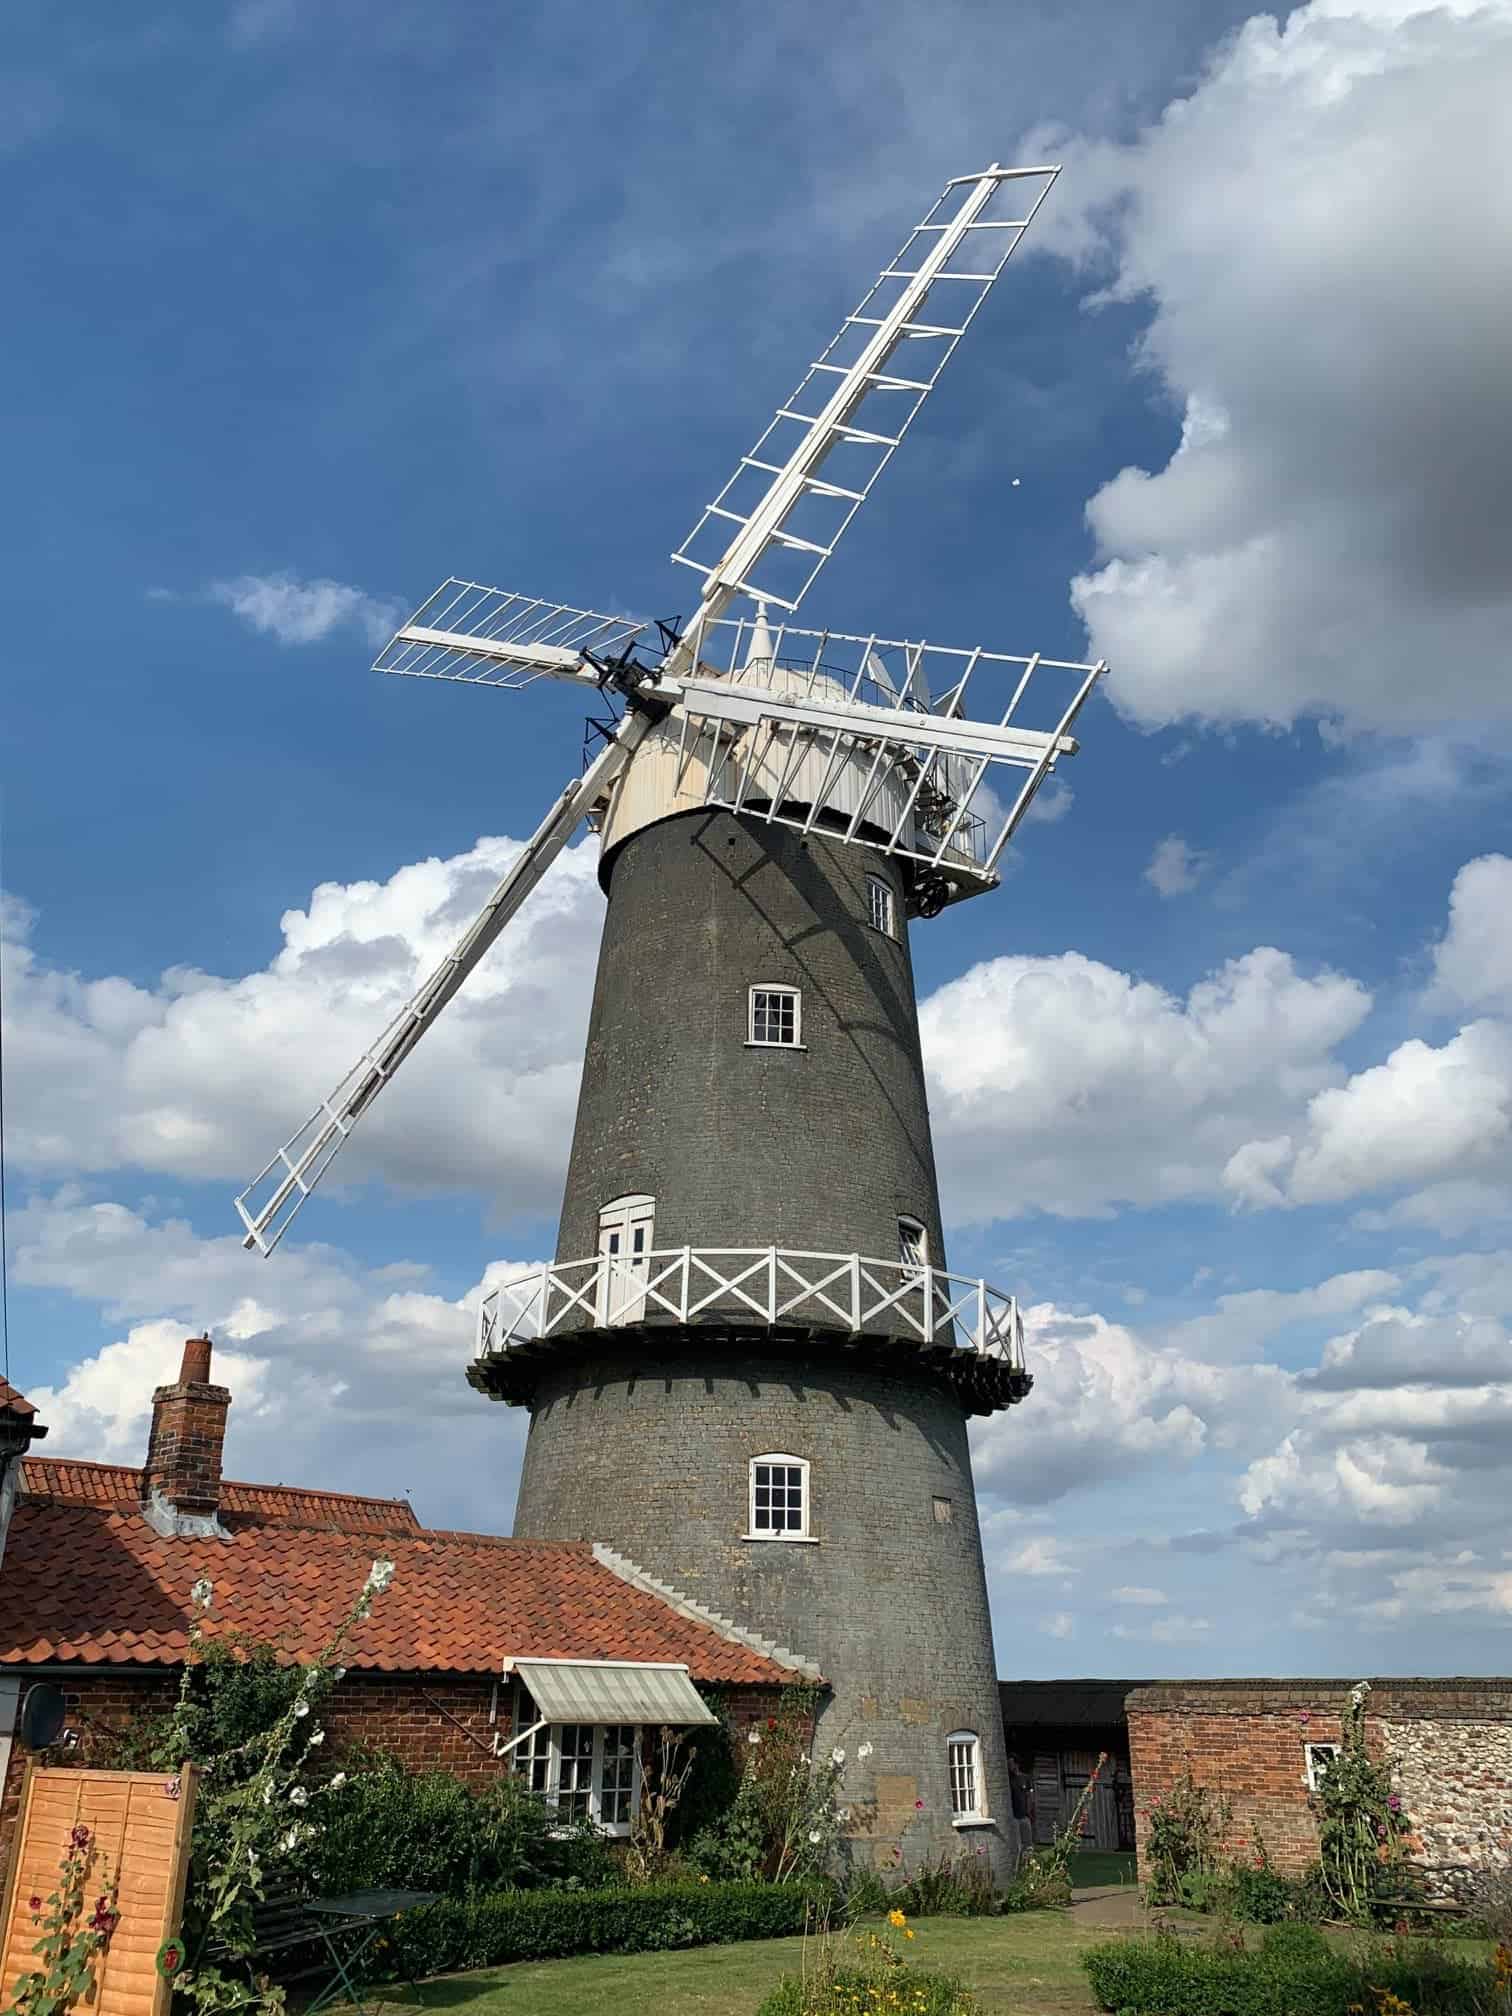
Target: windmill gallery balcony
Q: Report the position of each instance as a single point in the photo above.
(895, 1312)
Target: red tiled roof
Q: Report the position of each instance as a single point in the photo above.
(12, 1402)
(90, 1580)
(68, 1480)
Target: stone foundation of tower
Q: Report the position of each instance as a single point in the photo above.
(652, 1454)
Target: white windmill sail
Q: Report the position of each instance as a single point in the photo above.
(804, 727)
(851, 409)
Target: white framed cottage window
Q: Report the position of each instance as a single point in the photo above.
(580, 1770)
(779, 1507)
(775, 1018)
(1317, 1758)
(963, 1754)
(879, 906)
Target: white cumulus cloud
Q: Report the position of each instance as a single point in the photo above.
(1327, 314)
(306, 612)
(1175, 867)
(1065, 1085)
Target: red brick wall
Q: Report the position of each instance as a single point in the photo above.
(1245, 1741)
(430, 1722)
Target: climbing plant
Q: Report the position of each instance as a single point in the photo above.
(1362, 1827)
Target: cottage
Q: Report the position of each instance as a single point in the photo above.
(565, 1645)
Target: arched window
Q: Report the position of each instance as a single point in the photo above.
(964, 1756)
(776, 1017)
(626, 1230)
(779, 1498)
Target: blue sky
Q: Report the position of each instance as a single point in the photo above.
(318, 308)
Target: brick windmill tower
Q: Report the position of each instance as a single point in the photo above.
(749, 1369)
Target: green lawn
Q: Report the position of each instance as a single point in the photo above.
(1025, 1965)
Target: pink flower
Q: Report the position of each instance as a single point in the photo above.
(36, 1903)
(1306, 1716)
(918, 1805)
(80, 1836)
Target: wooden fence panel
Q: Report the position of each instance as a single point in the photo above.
(140, 1822)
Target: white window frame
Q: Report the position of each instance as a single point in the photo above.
(540, 1757)
(914, 1229)
(965, 1777)
(621, 1220)
(795, 994)
(800, 1532)
(1311, 1752)
(880, 897)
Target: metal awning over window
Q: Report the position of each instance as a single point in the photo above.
(613, 1691)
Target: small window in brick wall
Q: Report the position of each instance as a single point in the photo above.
(964, 1754)
(776, 1018)
(1318, 1756)
(879, 905)
(779, 1498)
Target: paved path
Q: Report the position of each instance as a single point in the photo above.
(1114, 1904)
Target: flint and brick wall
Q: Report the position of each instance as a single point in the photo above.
(1450, 1741)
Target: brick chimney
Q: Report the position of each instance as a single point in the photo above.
(181, 1479)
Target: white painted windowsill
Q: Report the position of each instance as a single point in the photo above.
(784, 1539)
(752, 1044)
(973, 1820)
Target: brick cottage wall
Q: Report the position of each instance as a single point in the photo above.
(429, 1722)
(1451, 1741)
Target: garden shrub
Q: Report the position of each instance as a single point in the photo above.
(1183, 1837)
(457, 1933)
(867, 1975)
(955, 1886)
(1165, 1976)
(847, 1992)
(388, 1828)
(1294, 1943)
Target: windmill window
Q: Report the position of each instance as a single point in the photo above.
(779, 1498)
(581, 1771)
(913, 1243)
(964, 1757)
(879, 905)
(776, 1018)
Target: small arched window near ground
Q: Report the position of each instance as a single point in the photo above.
(964, 1753)
(776, 1017)
(779, 1498)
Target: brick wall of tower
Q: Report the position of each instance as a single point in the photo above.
(1450, 1742)
(818, 1149)
(652, 1454)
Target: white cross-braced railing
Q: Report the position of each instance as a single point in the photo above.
(754, 1284)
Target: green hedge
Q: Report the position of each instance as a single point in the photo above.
(457, 1933)
(1170, 1977)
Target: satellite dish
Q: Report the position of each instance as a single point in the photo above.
(43, 1712)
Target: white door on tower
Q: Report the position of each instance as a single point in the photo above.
(625, 1233)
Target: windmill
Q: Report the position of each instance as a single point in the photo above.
(749, 1367)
